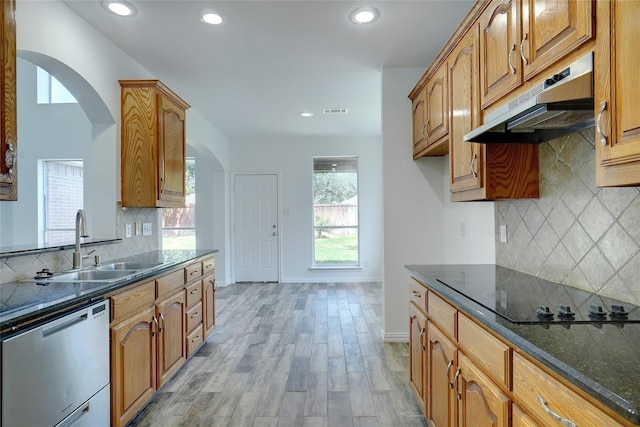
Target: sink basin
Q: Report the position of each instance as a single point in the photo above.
(90, 276)
(129, 266)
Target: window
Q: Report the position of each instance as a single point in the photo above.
(335, 211)
(63, 195)
(51, 91)
(179, 224)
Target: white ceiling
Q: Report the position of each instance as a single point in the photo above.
(253, 75)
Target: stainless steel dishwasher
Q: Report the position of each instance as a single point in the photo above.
(57, 373)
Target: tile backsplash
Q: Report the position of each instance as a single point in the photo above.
(575, 233)
(19, 267)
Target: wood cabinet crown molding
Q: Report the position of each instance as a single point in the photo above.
(8, 114)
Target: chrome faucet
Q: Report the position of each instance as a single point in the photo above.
(81, 231)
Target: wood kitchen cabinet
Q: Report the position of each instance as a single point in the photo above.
(209, 296)
(441, 397)
(417, 353)
(617, 61)
(8, 109)
(153, 145)
(519, 40)
(500, 67)
(431, 116)
(551, 30)
(476, 379)
(172, 352)
(481, 403)
(482, 171)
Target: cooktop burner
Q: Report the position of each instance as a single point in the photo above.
(522, 298)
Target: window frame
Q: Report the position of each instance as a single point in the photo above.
(335, 266)
(195, 202)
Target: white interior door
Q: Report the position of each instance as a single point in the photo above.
(256, 228)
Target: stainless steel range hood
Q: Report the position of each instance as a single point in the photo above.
(562, 104)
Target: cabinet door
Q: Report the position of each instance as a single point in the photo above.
(441, 403)
(500, 70)
(171, 336)
(551, 30)
(8, 117)
(481, 403)
(466, 158)
(419, 111)
(417, 352)
(209, 303)
(171, 151)
(437, 106)
(133, 365)
(617, 62)
(521, 419)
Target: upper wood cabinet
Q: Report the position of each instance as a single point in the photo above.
(419, 111)
(551, 29)
(153, 145)
(500, 67)
(519, 40)
(8, 117)
(482, 171)
(430, 109)
(617, 62)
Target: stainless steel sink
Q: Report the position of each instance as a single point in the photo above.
(129, 266)
(91, 276)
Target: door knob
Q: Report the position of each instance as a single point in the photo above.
(274, 233)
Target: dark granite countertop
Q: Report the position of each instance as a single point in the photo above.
(603, 359)
(22, 302)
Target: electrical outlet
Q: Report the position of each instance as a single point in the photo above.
(146, 229)
(503, 233)
(138, 228)
(127, 231)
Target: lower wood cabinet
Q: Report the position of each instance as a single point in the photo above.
(155, 326)
(209, 303)
(133, 365)
(480, 401)
(417, 352)
(171, 336)
(464, 375)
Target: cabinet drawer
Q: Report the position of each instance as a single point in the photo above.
(131, 302)
(208, 265)
(487, 351)
(418, 294)
(194, 293)
(532, 386)
(166, 285)
(442, 314)
(194, 317)
(192, 272)
(194, 339)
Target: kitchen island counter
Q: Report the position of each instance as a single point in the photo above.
(600, 358)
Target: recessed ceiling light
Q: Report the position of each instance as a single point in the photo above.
(364, 15)
(306, 114)
(120, 8)
(211, 17)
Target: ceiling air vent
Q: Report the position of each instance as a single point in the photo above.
(335, 111)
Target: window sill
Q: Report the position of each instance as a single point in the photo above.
(336, 267)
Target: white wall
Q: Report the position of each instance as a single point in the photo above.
(421, 225)
(49, 29)
(291, 158)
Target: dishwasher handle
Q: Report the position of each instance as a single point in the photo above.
(75, 416)
(57, 327)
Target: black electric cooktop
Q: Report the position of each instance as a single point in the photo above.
(522, 298)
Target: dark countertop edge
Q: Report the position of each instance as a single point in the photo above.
(14, 252)
(626, 409)
(9, 326)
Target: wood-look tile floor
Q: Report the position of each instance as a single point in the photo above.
(292, 355)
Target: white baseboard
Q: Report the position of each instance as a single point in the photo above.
(395, 336)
